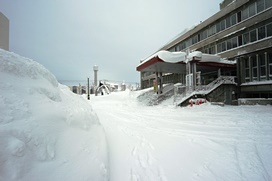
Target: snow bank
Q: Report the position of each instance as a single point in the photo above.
(46, 131)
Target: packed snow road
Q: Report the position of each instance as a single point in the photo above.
(193, 143)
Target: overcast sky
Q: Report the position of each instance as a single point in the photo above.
(68, 37)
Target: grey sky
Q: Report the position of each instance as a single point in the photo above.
(68, 37)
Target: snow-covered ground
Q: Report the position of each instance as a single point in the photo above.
(203, 142)
(49, 133)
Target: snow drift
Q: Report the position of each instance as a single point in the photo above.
(46, 131)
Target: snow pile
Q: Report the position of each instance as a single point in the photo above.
(46, 131)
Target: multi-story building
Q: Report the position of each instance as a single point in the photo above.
(4, 32)
(241, 31)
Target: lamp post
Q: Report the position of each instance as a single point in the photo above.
(88, 88)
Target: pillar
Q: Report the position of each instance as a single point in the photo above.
(250, 68)
(266, 65)
(194, 75)
(258, 68)
(157, 79)
(160, 91)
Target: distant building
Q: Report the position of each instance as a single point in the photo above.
(4, 32)
(242, 32)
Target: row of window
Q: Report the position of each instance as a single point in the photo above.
(255, 64)
(245, 13)
(243, 39)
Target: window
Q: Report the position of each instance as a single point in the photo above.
(188, 42)
(182, 46)
(172, 49)
(194, 39)
(218, 28)
(261, 32)
(229, 46)
(234, 42)
(247, 77)
(203, 35)
(245, 13)
(253, 36)
(262, 67)
(227, 22)
(219, 48)
(270, 65)
(223, 24)
(212, 50)
(233, 19)
(245, 38)
(179, 47)
(251, 10)
(212, 30)
(240, 40)
(260, 5)
(269, 29)
(254, 68)
(268, 3)
(223, 46)
(239, 14)
(176, 48)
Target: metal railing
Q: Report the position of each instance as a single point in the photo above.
(182, 93)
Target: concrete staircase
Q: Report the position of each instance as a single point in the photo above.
(151, 98)
(220, 90)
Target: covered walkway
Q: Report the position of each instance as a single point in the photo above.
(192, 65)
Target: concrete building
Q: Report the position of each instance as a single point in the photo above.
(241, 31)
(4, 32)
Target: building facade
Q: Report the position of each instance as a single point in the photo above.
(240, 31)
(4, 32)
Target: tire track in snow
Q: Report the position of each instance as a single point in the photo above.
(266, 173)
(144, 166)
(238, 162)
(250, 162)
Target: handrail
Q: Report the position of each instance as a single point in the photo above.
(205, 89)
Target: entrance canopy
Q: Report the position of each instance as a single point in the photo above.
(164, 61)
(175, 62)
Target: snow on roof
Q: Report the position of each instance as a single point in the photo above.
(202, 57)
(175, 57)
(170, 57)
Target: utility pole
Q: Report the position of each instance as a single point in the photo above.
(88, 87)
